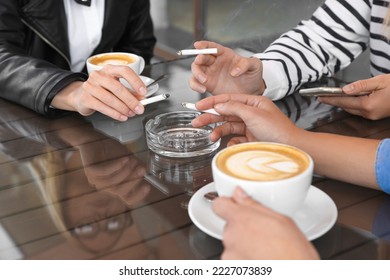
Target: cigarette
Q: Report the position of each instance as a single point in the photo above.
(196, 51)
(154, 99)
(192, 107)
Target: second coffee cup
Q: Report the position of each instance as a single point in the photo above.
(276, 175)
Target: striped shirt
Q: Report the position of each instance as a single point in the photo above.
(337, 33)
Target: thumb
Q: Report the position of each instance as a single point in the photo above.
(244, 65)
(362, 85)
(224, 207)
(242, 198)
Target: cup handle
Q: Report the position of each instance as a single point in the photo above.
(142, 64)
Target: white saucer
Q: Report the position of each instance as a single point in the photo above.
(314, 218)
(146, 80)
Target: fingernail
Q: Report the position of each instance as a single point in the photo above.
(123, 118)
(219, 106)
(143, 90)
(202, 89)
(139, 110)
(235, 72)
(240, 194)
(202, 79)
(349, 88)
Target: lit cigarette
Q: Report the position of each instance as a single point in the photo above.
(196, 51)
(192, 107)
(154, 99)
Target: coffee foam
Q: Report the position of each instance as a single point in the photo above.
(113, 59)
(262, 163)
(113, 62)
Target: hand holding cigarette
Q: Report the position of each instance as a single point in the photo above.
(198, 51)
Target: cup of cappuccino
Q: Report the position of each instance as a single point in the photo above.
(135, 62)
(276, 175)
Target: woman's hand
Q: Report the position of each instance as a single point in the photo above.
(103, 92)
(248, 117)
(254, 231)
(374, 106)
(226, 72)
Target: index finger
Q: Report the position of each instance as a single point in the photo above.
(211, 101)
(224, 207)
(366, 85)
(129, 75)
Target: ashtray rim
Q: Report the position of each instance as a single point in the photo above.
(152, 134)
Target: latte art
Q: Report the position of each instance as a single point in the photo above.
(262, 162)
(261, 165)
(112, 62)
(114, 59)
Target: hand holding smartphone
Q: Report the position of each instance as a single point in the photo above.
(328, 91)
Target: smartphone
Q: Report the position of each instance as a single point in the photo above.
(328, 91)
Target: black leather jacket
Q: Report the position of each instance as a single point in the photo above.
(34, 49)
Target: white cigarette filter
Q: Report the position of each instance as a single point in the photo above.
(154, 99)
(198, 51)
(192, 107)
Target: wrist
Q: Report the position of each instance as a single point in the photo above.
(295, 135)
(65, 98)
(263, 86)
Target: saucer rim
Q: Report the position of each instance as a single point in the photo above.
(152, 90)
(333, 212)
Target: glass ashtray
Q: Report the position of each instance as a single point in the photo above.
(172, 135)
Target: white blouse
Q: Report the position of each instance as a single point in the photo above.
(85, 25)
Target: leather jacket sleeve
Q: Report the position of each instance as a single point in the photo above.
(25, 79)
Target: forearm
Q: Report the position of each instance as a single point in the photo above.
(344, 158)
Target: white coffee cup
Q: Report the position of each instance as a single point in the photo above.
(96, 62)
(276, 175)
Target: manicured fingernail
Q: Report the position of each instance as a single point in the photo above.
(143, 90)
(240, 194)
(349, 88)
(202, 89)
(219, 106)
(123, 118)
(202, 79)
(139, 110)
